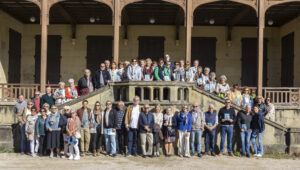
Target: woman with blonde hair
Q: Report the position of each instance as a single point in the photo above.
(169, 131)
(270, 109)
(246, 99)
(223, 88)
(97, 129)
(158, 122)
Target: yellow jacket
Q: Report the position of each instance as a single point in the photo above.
(128, 115)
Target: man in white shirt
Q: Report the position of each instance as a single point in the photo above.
(134, 71)
(131, 124)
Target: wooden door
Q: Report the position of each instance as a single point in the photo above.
(151, 47)
(53, 59)
(287, 60)
(204, 50)
(14, 62)
(250, 62)
(99, 48)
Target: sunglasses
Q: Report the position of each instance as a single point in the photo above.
(30, 104)
(67, 109)
(43, 111)
(97, 105)
(195, 106)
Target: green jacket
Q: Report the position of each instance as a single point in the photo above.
(40, 126)
(159, 73)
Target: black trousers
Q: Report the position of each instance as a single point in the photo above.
(99, 137)
(120, 140)
(93, 141)
(42, 145)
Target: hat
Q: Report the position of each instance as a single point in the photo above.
(71, 80)
(67, 108)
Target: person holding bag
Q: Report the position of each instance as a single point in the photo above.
(73, 130)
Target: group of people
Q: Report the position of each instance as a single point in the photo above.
(47, 131)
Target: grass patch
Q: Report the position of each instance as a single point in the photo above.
(5, 150)
(280, 156)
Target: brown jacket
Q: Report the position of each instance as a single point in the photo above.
(80, 113)
(21, 116)
(128, 115)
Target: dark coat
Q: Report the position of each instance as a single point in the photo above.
(112, 119)
(47, 99)
(146, 120)
(82, 83)
(96, 78)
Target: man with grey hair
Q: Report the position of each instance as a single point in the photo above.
(146, 123)
(197, 128)
(121, 130)
(131, 124)
(205, 77)
(85, 83)
(210, 123)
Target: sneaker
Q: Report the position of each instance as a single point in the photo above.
(51, 155)
(71, 157)
(255, 155)
(77, 157)
(57, 156)
(107, 154)
(63, 157)
(187, 156)
(33, 155)
(180, 156)
(259, 155)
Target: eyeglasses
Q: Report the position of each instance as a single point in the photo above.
(146, 107)
(97, 105)
(30, 104)
(227, 102)
(108, 104)
(43, 111)
(195, 106)
(67, 109)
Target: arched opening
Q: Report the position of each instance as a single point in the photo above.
(16, 16)
(166, 93)
(179, 94)
(138, 92)
(186, 94)
(218, 40)
(147, 93)
(151, 28)
(80, 32)
(285, 18)
(156, 94)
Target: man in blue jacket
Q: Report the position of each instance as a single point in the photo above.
(257, 127)
(101, 77)
(146, 123)
(184, 126)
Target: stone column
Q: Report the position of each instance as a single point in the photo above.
(44, 35)
(260, 44)
(117, 21)
(189, 23)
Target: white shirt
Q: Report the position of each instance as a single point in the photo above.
(134, 116)
(107, 116)
(28, 112)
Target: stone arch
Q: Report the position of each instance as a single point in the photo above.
(198, 3)
(270, 4)
(180, 3)
(107, 2)
(37, 2)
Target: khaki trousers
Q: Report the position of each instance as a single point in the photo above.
(146, 138)
(85, 140)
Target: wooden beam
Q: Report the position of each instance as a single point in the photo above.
(189, 23)
(239, 16)
(117, 18)
(260, 44)
(65, 14)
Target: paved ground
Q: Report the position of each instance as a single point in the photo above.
(17, 161)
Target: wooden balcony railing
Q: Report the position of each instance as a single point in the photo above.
(283, 95)
(10, 92)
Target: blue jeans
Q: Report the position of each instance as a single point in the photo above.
(25, 145)
(245, 138)
(132, 141)
(196, 134)
(110, 141)
(229, 131)
(210, 140)
(260, 148)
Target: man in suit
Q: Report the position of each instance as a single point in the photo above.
(101, 77)
(110, 120)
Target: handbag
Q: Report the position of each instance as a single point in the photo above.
(77, 135)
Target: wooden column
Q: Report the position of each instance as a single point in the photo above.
(260, 39)
(44, 35)
(189, 23)
(117, 21)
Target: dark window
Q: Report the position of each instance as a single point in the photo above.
(14, 63)
(151, 47)
(287, 60)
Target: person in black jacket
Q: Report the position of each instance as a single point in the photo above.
(257, 126)
(63, 124)
(101, 77)
(85, 83)
(244, 119)
(226, 119)
(261, 105)
(110, 121)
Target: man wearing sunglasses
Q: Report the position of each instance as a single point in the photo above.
(146, 123)
(226, 119)
(197, 128)
(134, 71)
(184, 126)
